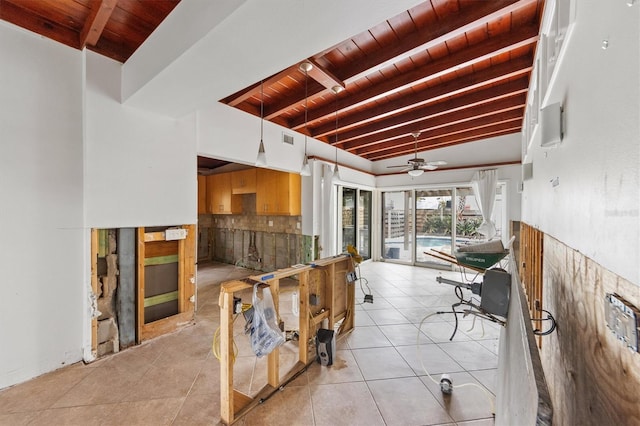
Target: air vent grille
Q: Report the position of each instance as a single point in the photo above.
(286, 138)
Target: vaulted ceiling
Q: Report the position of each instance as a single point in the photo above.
(113, 28)
(457, 71)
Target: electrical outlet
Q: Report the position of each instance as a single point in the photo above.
(623, 319)
(175, 234)
(351, 276)
(237, 305)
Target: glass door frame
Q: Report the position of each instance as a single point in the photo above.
(427, 263)
(504, 214)
(357, 231)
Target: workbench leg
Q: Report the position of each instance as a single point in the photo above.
(273, 359)
(303, 326)
(226, 358)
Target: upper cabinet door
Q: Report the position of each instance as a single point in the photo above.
(278, 193)
(203, 207)
(221, 201)
(243, 182)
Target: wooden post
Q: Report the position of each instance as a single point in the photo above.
(187, 256)
(273, 359)
(140, 284)
(94, 289)
(330, 285)
(303, 319)
(226, 357)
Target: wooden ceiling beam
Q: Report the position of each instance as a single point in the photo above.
(477, 15)
(471, 100)
(469, 135)
(405, 143)
(254, 90)
(324, 76)
(432, 35)
(378, 140)
(513, 69)
(99, 15)
(493, 47)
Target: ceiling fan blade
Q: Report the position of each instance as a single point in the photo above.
(437, 163)
(393, 167)
(429, 167)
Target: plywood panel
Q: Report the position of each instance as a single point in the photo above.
(592, 378)
(161, 248)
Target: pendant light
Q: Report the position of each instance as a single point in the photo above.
(336, 173)
(261, 161)
(306, 67)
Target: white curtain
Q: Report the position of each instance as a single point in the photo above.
(484, 187)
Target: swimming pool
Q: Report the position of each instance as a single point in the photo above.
(426, 242)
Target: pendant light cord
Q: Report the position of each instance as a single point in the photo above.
(261, 109)
(336, 141)
(306, 108)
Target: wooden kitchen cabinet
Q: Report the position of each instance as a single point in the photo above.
(203, 207)
(220, 198)
(277, 193)
(243, 182)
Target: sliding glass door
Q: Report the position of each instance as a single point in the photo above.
(397, 224)
(355, 220)
(421, 222)
(434, 229)
(364, 223)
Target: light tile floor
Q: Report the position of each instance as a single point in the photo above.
(377, 377)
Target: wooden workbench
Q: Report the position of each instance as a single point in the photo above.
(327, 279)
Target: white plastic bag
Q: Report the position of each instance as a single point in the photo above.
(265, 333)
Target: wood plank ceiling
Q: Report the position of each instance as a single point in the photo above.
(455, 70)
(113, 28)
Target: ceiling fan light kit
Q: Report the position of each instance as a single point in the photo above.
(416, 166)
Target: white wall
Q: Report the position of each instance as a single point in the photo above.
(494, 150)
(140, 168)
(42, 246)
(594, 209)
(230, 134)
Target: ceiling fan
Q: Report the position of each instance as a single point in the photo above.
(416, 166)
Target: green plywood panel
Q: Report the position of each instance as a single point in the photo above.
(160, 298)
(161, 260)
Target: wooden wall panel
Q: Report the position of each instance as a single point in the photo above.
(530, 269)
(592, 378)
